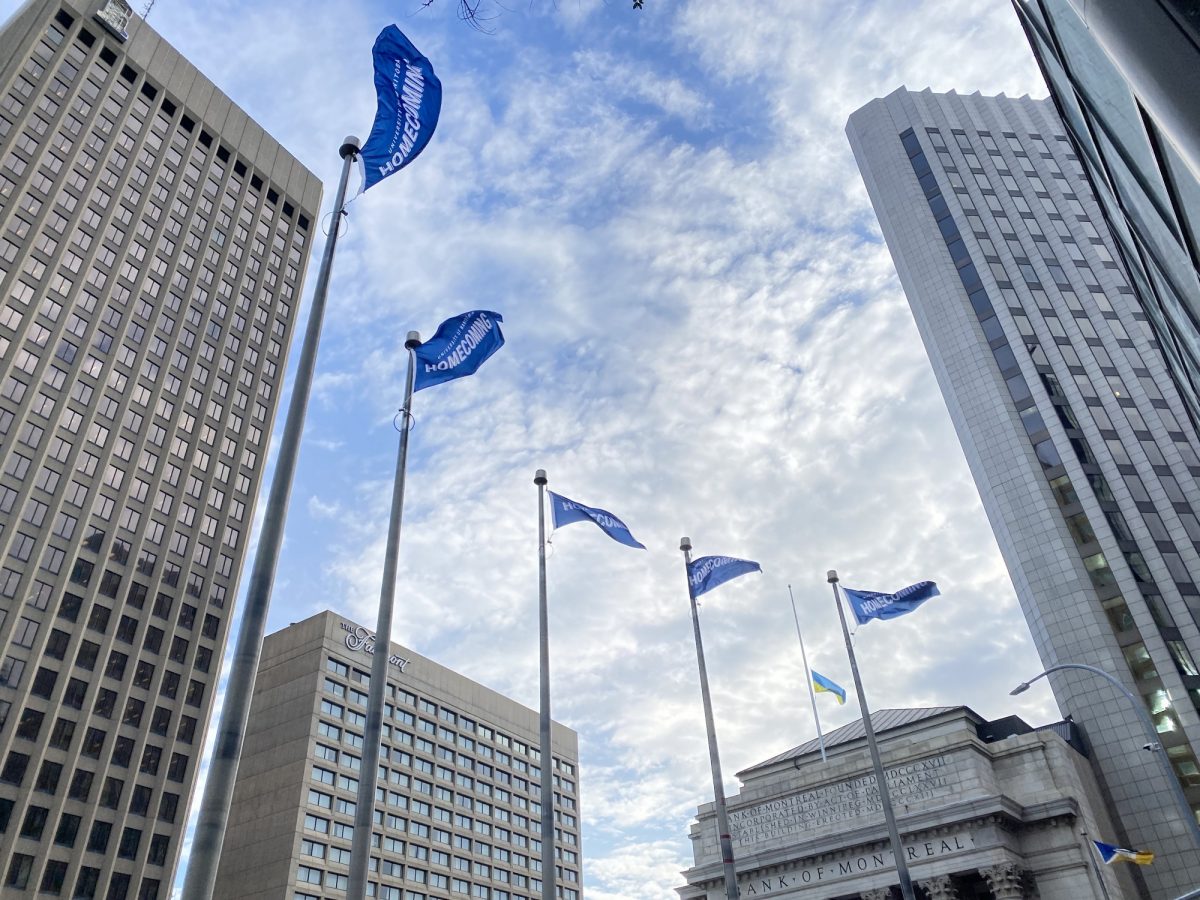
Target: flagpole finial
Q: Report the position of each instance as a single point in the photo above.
(685, 544)
(831, 576)
(539, 477)
(350, 146)
(412, 341)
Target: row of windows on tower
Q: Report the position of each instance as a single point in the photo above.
(1097, 567)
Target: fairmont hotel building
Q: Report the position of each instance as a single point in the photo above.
(457, 806)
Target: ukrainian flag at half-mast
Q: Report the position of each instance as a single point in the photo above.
(823, 685)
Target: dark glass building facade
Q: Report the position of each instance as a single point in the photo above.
(1125, 78)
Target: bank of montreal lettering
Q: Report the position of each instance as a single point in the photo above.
(921, 780)
(364, 642)
(851, 865)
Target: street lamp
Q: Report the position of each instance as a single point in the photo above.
(1151, 733)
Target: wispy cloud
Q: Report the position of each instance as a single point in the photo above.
(705, 335)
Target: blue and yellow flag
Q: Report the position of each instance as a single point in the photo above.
(1111, 854)
(823, 685)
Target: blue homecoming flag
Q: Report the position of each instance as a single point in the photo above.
(566, 511)
(1111, 854)
(824, 685)
(868, 605)
(410, 98)
(709, 572)
(459, 348)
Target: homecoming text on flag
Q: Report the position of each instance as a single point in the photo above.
(409, 101)
(709, 572)
(868, 605)
(459, 347)
(565, 511)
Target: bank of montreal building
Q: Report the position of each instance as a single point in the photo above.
(153, 240)
(457, 809)
(1076, 436)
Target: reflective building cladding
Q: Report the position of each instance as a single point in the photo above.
(153, 240)
(1076, 435)
(1125, 78)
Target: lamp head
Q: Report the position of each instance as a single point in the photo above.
(1019, 689)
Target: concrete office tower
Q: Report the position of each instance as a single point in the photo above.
(457, 810)
(1125, 78)
(153, 241)
(1074, 432)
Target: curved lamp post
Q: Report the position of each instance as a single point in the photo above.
(1151, 734)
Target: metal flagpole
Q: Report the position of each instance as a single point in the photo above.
(1089, 850)
(368, 776)
(812, 695)
(726, 841)
(231, 732)
(547, 756)
(906, 888)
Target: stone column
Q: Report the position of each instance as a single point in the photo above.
(883, 893)
(939, 887)
(1006, 879)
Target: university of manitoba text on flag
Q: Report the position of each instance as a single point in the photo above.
(409, 98)
(459, 347)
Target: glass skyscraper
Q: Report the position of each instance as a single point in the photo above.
(153, 240)
(1126, 83)
(1078, 440)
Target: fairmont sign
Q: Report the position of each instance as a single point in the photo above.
(363, 641)
(115, 15)
(848, 865)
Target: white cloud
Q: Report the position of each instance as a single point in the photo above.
(704, 335)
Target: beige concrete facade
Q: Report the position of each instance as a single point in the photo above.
(985, 810)
(153, 243)
(1078, 440)
(457, 811)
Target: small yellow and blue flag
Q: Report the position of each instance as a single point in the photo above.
(825, 685)
(1111, 854)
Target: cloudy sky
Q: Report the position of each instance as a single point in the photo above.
(705, 335)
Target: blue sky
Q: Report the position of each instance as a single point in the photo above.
(705, 336)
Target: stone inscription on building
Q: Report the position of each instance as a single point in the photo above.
(848, 865)
(925, 779)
